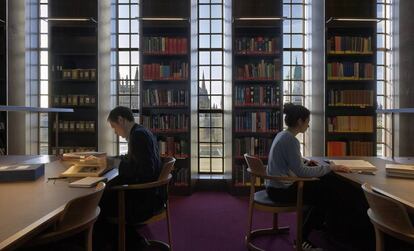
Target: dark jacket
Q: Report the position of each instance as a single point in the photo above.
(141, 165)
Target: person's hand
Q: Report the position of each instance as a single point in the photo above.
(312, 163)
(340, 168)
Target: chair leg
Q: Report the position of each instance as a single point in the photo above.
(379, 240)
(299, 230)
(169, 226)
(88, 238)
(249, 223)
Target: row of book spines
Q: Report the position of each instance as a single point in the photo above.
(246, 45)
(353, 70)
(71, 149)
(156, 97)
(181, 177)
(165, 45)
(174, 70)
(166, 121)
(257, 95)
(172, 146)
(252, 146)
(242, 176)
(356, 148)
(361, 98)
(350, 124)
(74, 100)
(75, 126)
(74, 74)
(349, 44)
(257, 121)
(262, 70)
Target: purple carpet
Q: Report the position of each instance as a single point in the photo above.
(218, 221)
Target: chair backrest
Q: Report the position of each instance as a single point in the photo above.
(167, 167)
(387, 212)
(255, 164)
(81, 210)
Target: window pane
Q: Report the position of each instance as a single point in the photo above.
(217, 164)
(216, 26)
(204, 57)
(216, 41)
(123, 41)
(204, 41)
(216, 57)
(216, 11)
(204, 11)
(123, 26)
(204, 26)
(204, 120)
(204, 134)
(204, 165)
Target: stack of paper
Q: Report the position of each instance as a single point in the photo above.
(398, 170)
(356, 165)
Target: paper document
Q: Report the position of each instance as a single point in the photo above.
(87, 182)
(356, 165)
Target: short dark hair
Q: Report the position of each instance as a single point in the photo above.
(294, 113)
(121, 111)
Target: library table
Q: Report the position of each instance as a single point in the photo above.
(399, 189)
(27, 208)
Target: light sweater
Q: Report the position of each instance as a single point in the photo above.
(285, 159)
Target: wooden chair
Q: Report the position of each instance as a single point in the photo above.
(79, 215)
(388, 216)
(163, 180)
(260, 201)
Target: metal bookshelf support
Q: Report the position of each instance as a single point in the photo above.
(393, 112)
(37, 110)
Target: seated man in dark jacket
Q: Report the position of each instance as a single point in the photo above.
(141, 165)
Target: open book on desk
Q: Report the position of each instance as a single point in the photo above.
(399, 170)
(356, 165)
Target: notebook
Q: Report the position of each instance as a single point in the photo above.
(87, 182)
(356, 165)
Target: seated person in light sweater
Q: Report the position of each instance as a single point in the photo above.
(285, 159)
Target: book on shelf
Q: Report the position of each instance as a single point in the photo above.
(361, 98)
(400, 170)
(165, 45)
(252, 145)
(256, 45)
(257, 121)
(171, 146)
(336, 148)
(257, 95)
(167, 122)
(350, 124)
(356, 165)
(162, 97)
(349, 45)
(350, 71)
(263, 70)
(173, 70)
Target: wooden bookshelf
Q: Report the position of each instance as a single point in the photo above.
(165, 89)
(73, 76)
(350, 88)
(257, 84)
(3, 77)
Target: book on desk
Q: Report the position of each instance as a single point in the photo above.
(85, 164)
(399, 170)
(356, 165)
(21, 172)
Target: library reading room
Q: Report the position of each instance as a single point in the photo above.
(206, 125)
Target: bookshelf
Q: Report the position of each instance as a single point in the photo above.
(73, 76)
(3, 78)
(350, 86)
(257, 84)
(165, 82)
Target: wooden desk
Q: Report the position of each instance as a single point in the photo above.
(399, 189)
(27, 208)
